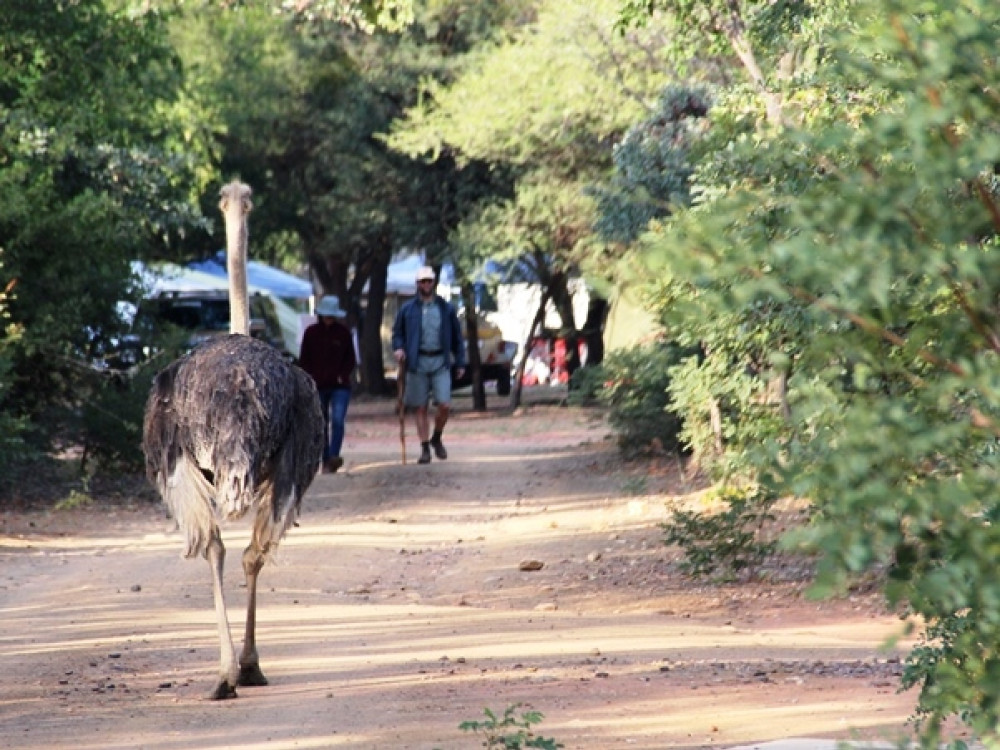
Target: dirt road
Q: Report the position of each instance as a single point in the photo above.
(398, 609)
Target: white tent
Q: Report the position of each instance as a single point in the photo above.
(401, 277)
(211, 275)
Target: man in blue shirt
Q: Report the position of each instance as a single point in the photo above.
(427, 341)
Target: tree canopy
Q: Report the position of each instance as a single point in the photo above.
(851, 249)
(804, 194)
(547, 103)
(92, 175)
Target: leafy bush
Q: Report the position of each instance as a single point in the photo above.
(585, 385)
(636, 389)
(887, 257)
(510, 732)
(727, 541)
(943, 651)
(110, 417)
(111, 423)
(12, 427)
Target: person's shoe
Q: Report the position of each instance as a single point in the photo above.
(439, 450)
(331, 464)
(425, 455)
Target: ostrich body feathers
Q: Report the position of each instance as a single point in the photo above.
(232, 426)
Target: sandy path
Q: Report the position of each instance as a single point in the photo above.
(397, 610)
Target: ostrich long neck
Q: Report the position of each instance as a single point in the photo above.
(235, 206)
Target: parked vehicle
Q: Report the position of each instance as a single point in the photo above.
(496, 357)
(206, 314)
(197, 315)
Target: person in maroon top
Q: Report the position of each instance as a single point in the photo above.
(327, 354)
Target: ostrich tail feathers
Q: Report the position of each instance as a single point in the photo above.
(235, 492)
(188, 495)
(269, 527)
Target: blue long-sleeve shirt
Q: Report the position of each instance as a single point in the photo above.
(406, 332)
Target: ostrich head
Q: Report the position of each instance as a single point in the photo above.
(235, 198)
(235, 206)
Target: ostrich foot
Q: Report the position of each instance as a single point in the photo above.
(222, 691)
(251, 676)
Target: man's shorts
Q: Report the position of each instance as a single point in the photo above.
(421, 385)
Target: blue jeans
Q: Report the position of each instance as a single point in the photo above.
(334, 402)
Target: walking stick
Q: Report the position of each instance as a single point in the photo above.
(400, 408)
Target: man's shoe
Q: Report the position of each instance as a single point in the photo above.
(425, 455)
(332, 464)
(439, 450)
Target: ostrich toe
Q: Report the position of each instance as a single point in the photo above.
(251, 676)
(223, 691)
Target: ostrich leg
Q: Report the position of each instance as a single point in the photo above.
(250, 674)
(226, 687)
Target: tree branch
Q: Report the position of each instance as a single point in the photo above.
(977, 417)
(990, 336)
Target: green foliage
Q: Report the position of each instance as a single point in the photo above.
(290, 82)
(563, 83)
(727, 541)
(704, 30)
(12, 445)
(544, 103)
(108, 421)
(652, 166)
(74, 500)
(510, 732)
(636, 390)
(948, 652)
(366, 15)
(726, 410)
(854, 252)
(585, 385)
(92, 176)
(111, 420)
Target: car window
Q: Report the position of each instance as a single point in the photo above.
(208, 316)
(186, 315)
(195, 314)
(215, 314)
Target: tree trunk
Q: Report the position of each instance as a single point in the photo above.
(515, 394)
(472, 349)
(372, 368)
(715, 416)
(593, 330)
(563, 302)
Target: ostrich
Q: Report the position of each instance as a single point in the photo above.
(232, 428)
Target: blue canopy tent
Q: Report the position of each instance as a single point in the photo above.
(164, 278)
(259, 276)
(292, 296)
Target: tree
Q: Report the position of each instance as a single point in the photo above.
(548, 103)
(377, 201)
(873, 229)
(329, 192)
(92, 175)
(367, 15)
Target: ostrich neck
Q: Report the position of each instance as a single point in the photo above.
(236, 262)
